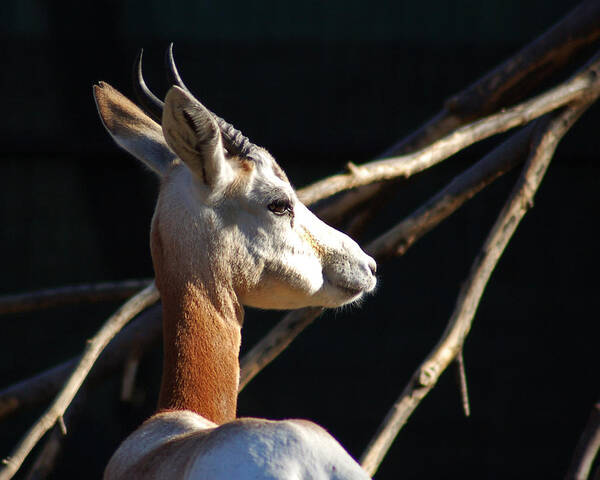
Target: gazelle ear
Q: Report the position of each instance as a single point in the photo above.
(192, 132)
(132, 129)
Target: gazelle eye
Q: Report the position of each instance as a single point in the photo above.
(280, 207)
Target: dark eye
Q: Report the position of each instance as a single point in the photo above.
(280, 207)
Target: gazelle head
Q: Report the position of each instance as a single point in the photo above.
(227, 216)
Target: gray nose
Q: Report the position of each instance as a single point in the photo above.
(372, 266)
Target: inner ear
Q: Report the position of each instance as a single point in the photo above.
(206, 133)
(192, 132)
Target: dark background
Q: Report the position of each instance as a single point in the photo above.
(319, 84)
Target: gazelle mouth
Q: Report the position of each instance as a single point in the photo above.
(347, 291)
(350, 291)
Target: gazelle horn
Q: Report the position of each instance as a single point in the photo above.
(235, 142)
(151, 104)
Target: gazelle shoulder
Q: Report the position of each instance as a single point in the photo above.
(266, 449)
(246, 448)
(168, 434)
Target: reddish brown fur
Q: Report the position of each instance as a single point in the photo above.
(246, 165)
(201, 344)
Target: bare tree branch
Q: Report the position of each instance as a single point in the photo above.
(520, 200)
(587, 448)
(114, 324)
(141, 333)
(407, 165)
(54, 297)
(513, 80)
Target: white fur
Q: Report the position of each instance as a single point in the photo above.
(241, 450)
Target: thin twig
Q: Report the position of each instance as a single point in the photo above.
(462, 383)
(54, 297)
(587, 448)
(141, 333)
(61, 424)
(129, 373)
(407, 165)
(114, 324)
(459, 325)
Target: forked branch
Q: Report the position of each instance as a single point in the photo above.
(521, 199)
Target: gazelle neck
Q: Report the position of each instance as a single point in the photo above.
(201, 340)
(200, 364)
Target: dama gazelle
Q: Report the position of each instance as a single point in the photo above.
(228, 230)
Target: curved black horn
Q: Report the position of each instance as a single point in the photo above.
(235, 142)
(172, 73)
(151, 104)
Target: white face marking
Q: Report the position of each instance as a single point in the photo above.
(279, 261)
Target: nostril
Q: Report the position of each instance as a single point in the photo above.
(373, 266)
